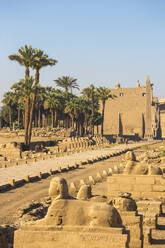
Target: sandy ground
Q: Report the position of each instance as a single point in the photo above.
(9, 139)
(32, 169)
(17, 198)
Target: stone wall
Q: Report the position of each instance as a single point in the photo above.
(10, 150)
(140, 186)
(131, 112)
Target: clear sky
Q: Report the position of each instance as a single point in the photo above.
(95, 41)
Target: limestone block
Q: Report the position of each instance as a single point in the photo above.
(126, 180)
(12, 182)
(158, 188)
(113, 187)
(59, 169)
(84, 192)
(147, 180)
(115, 169)
(39, 175)
(67, 167)
(91, 180)
(105, 174)
(75, 165)
(126, 187)
(112, 180)
(70, 237)
(98, 177)
(142, 188)
(58, 188)
(27, 178)
(50, 172)
(82, 182)
(72, 189)
(110, 172)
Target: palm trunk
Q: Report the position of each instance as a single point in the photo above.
(10, 117)
(85, 123)
(19, 111)
(72, 118)
(36, 117)
(92, 116)
(102, 123)
(23, 116)
(46, 119)
(27, 72)
(26, 117)
(52, 118)
(32, 107)
(39, 116)
(55, 118)
(31, 120)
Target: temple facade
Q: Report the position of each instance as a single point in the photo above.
(134, 111)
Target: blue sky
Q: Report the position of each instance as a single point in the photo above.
(95, 41)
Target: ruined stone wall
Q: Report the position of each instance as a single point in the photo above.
(10, 150)
(140, 186)
(125, 114)
(162, 119)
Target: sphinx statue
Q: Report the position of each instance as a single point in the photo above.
(69, 211)
(135, 167)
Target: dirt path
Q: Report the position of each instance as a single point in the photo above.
(16, 198)
(12, 200)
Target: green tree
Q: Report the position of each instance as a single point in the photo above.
(90, 93)
(25, 57)
(40, 60)
(8, 99)
(67, 83)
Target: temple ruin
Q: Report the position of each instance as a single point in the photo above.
(134, 111)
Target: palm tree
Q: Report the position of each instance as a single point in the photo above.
(27, 93)
(40, 60)
(71, 109)
(53, 102)
(8, 99)
(19, 98)
(40, 98)
(104, 94)
(25, 57)
(67, 83)
(90, 93)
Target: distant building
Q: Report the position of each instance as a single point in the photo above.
(134, 111)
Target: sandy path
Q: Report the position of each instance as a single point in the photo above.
(18, 197)
(32, 169)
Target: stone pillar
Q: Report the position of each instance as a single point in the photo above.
(148, 121)
(120, 132)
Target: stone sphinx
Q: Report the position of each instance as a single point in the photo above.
(135, 167)
(66, 210)
(73, 223)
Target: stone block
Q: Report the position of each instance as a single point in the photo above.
(27, 178)
(105, 174)
(12, 182)
(94, 238)
(59, 169)
(145, 180)
(126, 180)
(91, 180)
(158, 188)
(113, 187)
(39, 175)
(111, 180)
(50, 172)
(126, 187)
(142, 188)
